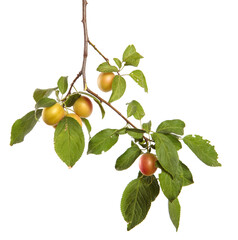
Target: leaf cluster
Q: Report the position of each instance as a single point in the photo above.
(130, 57)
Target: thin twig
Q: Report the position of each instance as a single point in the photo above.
(106, 59)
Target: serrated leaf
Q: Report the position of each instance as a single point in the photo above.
(106, 67)
(118, 88)
(71, 99)
(166, 153)
(186, 174)
(202, 149)
(131, 57)
(128, 158)
(147, 126)
(171, 126)
(118, 62)
(135, 109)
(63, 84)
(136, 199)
(69, 141)
(174, 212)
(23, 126)
(41, 93)
(102, 141)
(45, 102)
(171, 187)
(139, 78)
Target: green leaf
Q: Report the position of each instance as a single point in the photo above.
(174, 139)
(45, 102)
(102, 141)
(63, 84)
(100, 106)
(131, 57)
(88, 125)
(128, 158)
(139, 78)
(118, 62)
(166, 153)
(106, 67)
(135, 109)
(118, 88)
(171, 187)
(202, 149)
(147, 126)
(136, 199)
(174, 212)
(69, 141)
(23, 126)
(135, 133)
(186, 174)
(172, 126)
(71, 99)
(41, 93)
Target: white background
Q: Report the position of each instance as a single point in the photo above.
(190, 62)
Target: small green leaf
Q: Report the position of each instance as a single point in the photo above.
(63, 84)
(135, 109)
(172, 126)
(41, 93)
(166, 153)
(103, 141)
(106, 67)
(69, 141)
(128, 158)
(135, 133)
(139, 78)
(131, 57)
(23, 126)
(87, 124)
(174, 212)
(136, 199)
(171, 187)
(147, 126)
(202, 149)
(118, 88)
(118, 62)
(71, 99)
(174, 139)
(186, 174)
(152, 183)
(45, 102)
(100, 106)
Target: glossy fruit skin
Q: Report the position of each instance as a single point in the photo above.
(147, 164)
(76, 117)
(83, 107)
(105, 81)
(52, 115)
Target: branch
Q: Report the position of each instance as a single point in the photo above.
(83, 68)
(108, 104)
